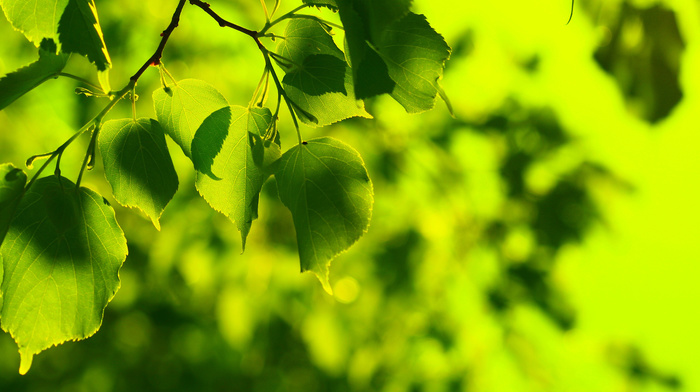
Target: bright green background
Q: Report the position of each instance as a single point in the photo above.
(543, 240)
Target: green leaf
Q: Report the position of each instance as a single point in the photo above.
(364, 21)
(239, 170)
(37, 19)
(138, 165)
(415, 55)
(79, 32)
(319, 80)
(12, 181)
(325, 185)
(323, 3)
(20, 82)
(182, 108)
(61, 261)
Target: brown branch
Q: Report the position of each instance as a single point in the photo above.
(155, 59)
(224, 23)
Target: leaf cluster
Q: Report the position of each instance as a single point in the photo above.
(60, 245)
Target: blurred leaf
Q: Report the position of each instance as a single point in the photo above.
(20, 82)
(79, 32)
(138, 166)
(36, 19)
(325, 185)
(240, 164)
(319, 80)
(415, 55)
(61, 260)
(182, 108)
(12, 181)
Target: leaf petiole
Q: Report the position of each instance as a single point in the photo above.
(261, 90)
(81, 80)
(281, 92)
(288, 15)
(89, 156)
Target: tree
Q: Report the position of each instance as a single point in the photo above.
(62, 247)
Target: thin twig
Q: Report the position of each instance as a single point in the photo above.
(155, 59)
(224, 23)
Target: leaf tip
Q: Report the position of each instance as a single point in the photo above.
(323, 278)
(156, 223)
(25, 361)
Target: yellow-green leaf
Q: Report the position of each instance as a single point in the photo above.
(61, 260)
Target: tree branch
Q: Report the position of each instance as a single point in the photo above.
(155, 59)
(224, 23)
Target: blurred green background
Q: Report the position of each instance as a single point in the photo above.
(544, 239)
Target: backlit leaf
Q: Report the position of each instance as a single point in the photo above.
(364, 22)
(79, 32)
(319, 80)
(415, 55)
(323, 3)
(20, 82)
(12, 181)
(61, 260)
(138, 165)
(325, 185)
(37, 19)
(239, 170)
(182, 108)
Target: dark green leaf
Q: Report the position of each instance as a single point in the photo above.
(12, 181)
(79, 32)
(325, 185)
(364, 21)
(415, 55)
(182, 108)
(239, 170)
(138, 165)
(319, 80)
(37, 19)
(61, 261)
(20, 82)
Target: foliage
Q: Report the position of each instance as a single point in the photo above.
(63, 248)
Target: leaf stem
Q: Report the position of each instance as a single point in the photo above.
(288, 15)
(263, 81)
(81, 80)
(281, 92)
(88, 155)
(264, 6)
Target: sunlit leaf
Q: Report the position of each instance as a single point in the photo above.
(138, 165)
(325, 185)
(323, 3)
(37, 19)
(415, 55)
(61, 260)
(182, 108)
(319, 80)
(79, 32)
(20, 82)
(238, 171)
